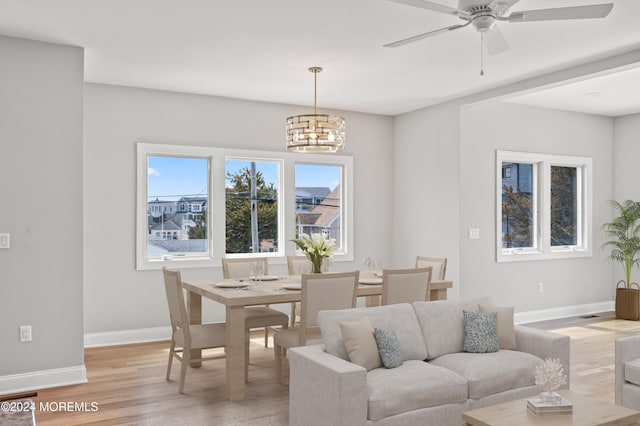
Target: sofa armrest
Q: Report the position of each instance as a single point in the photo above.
(325, 390)
(627, 348)
(545, 344)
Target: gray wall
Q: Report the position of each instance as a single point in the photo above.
(426, 188)
(444, 162)
(444, 180)
(626, 173)
(492, 126)
(41, 205)
(117, 297)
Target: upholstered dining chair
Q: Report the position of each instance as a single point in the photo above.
(439, 265)
(406, 285)
(185, 335)
(298, 265)
(255, 316)
(320, 292)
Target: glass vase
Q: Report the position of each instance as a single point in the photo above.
(316, 262)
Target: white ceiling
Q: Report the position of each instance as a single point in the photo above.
(260, 50)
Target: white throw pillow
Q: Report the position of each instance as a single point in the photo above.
(506, 334)
(361, 343)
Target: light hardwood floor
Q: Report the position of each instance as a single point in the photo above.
(128, 382)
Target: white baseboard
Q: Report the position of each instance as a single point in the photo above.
(16, 383)
(127, 337)
(562, 312)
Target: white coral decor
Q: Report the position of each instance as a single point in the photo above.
(549, 375)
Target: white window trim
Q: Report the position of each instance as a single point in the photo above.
(216, 210)
(542, 248)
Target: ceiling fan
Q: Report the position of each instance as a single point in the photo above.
(483, 14)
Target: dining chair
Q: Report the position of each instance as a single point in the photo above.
(185, 335)
(439, 265)
(298, 265)
(255, 316)
(406, 285)
(319, 292)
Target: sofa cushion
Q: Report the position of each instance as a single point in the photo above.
(388, 348)
(632, 371)
(506, 332)
(413, 385)
(480, 332)
(360, 343)
(442, 324)
(401, 318)
(491, 373)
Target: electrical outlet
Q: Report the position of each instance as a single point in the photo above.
(25, 333)
(474, 233)
(540, 288)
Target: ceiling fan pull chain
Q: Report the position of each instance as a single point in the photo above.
(481, 54)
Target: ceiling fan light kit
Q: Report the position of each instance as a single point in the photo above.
(315, 133)
(483, 14)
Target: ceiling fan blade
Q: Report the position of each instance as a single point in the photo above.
(425, 35)
(436, 7)
(576, 12)
(495, 42)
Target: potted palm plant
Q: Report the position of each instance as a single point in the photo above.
(623, 238)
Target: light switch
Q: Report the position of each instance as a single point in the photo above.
(5, 241)
(474, 234)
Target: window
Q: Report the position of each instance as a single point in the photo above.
(194, 204)
(251, 206)
(170, 181)
(319, 201)
(543, 206)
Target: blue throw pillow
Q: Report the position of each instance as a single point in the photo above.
(388, 347)
(480, 332)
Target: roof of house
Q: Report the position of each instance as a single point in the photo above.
(328, 209)
(167, 225)
(200, 200)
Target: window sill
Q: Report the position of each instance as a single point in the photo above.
(528, 255)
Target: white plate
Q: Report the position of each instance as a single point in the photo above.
(231, 284)
(371, 281)
(269, 278)
(292, 286)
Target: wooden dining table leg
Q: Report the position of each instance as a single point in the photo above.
(194, 306)
(235, 335)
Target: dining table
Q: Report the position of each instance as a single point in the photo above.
(236, 294)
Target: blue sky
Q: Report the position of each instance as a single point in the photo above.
(172, 177)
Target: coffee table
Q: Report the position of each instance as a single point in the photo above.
(587, 411)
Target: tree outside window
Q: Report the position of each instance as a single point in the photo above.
(251, 207)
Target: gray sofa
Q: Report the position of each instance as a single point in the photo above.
(437, 380)
(627, 372)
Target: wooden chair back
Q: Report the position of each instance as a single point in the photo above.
(176, 301)
(321, 292)
(438, 264)
(241, 268)
(406, 285)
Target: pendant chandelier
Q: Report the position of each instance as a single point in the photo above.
(315, 133)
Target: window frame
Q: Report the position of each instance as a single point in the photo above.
(541, 200)
(216, 211)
